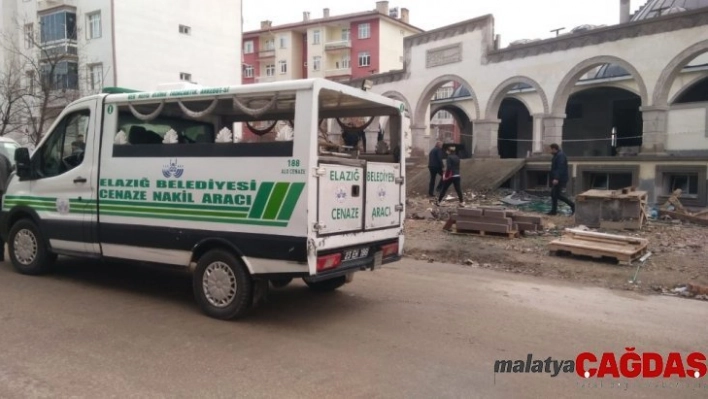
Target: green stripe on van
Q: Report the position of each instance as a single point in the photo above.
(286, 212)
(276, 201)
(260, 202)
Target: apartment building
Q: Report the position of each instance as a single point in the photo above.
(337, 47)
(129, 43)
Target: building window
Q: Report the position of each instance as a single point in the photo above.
(248, 47)
(185, 30)
(186, 77)
(316, 37)
(346, 62)
(686, 182)
(443, 92)
(364, 31)
(29, 35)
(346, 35)
(96, 76)
(283, 42)
(248, 71)
(29, 76)
(58, 26)
(63, 76)
(93, 25)
(364, 59)
(270, 70)
(283, 67)
(316, 63)
(269, 45)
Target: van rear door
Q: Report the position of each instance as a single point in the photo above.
(383, 195)
(340, 202)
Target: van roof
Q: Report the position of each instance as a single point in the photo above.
(333, 95)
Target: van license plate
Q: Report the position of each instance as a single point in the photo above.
(354, 254)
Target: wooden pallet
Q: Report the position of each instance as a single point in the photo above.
(598, 245)
(479, 233)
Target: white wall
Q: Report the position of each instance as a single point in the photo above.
(95, 51)
(314, 50)
(150, 50)
(687, 127)
(391, 45)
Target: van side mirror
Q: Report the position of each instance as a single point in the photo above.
(22, 163)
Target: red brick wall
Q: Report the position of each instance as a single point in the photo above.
(371, 45)
(251, 59)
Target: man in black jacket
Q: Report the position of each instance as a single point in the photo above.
(559, 179)
(435, 166)
(452, 177)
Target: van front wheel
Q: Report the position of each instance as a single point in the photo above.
(28, 250)
(222, 286)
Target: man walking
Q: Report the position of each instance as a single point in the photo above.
(435, 166)
(452, 177)
(559, 179)
(5, 170)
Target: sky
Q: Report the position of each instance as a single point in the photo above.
(514, 19)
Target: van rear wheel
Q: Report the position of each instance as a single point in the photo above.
(327, 285)
(223, 288)
(28, 249)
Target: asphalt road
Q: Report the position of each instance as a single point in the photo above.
(413, 330)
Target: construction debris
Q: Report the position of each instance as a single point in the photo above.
(612, 209)
(674, 209)
(485, 221)
(599, 245)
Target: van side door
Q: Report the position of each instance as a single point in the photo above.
(62, 185)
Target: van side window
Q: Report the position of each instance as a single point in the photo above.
(165, 130)
(64, 149)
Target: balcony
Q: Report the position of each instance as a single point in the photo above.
(338, 72)
(58, 50)
(43, 5)
(265, 54)
(265, 79)
(338, 45)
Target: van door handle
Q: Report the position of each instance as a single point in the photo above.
(80, 180)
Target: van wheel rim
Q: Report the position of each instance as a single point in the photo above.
(25, 244)
(219, 284)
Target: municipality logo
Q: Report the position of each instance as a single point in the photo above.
(381, 193)
(173, 170)
(341, 195)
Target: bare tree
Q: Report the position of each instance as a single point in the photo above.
(51, 75)
(12, 93)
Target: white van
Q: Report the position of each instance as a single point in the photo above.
(158, 178)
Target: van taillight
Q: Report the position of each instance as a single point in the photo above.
(327, 262)
(389, 250)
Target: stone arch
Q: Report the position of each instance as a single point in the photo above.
(424, 100)
(675, 66)
(502, 90)
(688, 86)
(457, 111)
(400, 97)
(565, 88)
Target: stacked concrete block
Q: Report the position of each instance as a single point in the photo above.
(492, 220)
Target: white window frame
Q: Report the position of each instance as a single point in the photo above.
(364, 56)
(283, 67)
(185, 30)
(94, 28)
(269, 45)
(185, 77)
(283, 42)
(316, 63)
(248, 71)
(29, 35)
(316, 37)
(95, 76)
(248, 47)
(270, 70)
(346, 61)
(364, 31)
(346, 34)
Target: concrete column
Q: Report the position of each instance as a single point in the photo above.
(655, 133)
(486, 138)
(537, 145)
(419, 139)
(552, 131)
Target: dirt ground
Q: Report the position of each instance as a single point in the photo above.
(678, 266)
